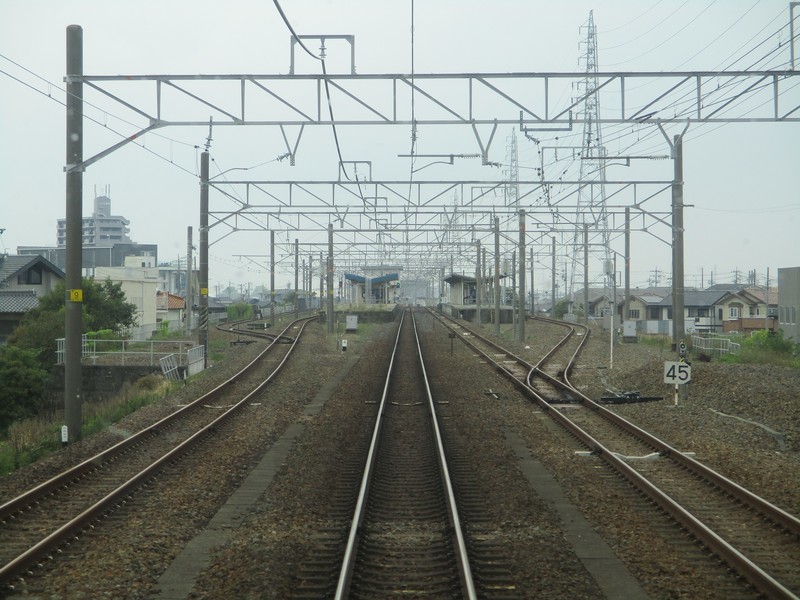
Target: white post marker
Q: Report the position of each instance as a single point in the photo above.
(64, 434)
(677, 372)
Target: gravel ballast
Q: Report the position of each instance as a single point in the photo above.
(741, 420)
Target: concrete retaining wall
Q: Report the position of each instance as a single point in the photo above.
(97, 382)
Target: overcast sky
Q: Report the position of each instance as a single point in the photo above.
(742, 181)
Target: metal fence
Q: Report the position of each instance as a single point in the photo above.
(714, 346)
(196, 360)
(169, 367)
(128, 352)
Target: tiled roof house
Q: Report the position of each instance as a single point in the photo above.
(23, 279)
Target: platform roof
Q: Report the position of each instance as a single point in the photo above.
(373, 280)
(457, 278)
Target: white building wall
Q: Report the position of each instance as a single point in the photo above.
(789, 303)
(139, 286)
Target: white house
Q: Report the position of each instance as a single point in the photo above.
(139, 282)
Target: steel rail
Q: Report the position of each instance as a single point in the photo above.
(779, 516)
(15, 504)
(572, 327)
(759, 578)
(468, 585)
(348, 562)
(88, 516)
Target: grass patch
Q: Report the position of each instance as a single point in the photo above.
(164, 333)
(767, 348)
(757, 356)
(216, 350)
(28, 440)
(657, 341)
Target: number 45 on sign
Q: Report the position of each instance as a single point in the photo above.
(677, 372)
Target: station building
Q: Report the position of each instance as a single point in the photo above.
(383, 289)
(461, 299)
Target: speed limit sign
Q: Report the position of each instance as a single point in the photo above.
(677, 372)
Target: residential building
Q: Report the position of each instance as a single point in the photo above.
(92, 257)
(789, 302)
(722, 308)
(747, 310)
(643, 306)
(598, 302)
(139, 282)
(101, 230)
(105, 241)
(169, 308)
(699, 313)
(23, 279)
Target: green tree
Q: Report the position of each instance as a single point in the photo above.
(561, 308)
(240, 310)
(770, 341)
(22, 380)
(104, 307)
(38, 333)
(289, 298)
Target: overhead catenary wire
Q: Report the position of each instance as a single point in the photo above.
(61, 89)
(621, 136)
(687, 97)
(412, 151)
(104, 125)
(731, 26)
(236, 196)
(89, 118)
(659, 24)
(327, 96)
(325, 80)
(633, 20)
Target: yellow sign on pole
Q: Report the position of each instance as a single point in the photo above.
(76, 295)
(204, 291)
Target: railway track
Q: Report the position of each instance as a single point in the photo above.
(406, 536)
(759, 541)
(395, 528)
(39, 523)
